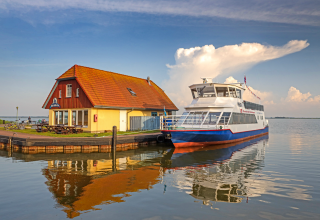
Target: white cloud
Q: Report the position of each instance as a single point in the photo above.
(208, 61)
(230, 80)
(294, 95)
(280, 11)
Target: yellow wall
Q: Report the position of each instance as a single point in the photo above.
(107, 118)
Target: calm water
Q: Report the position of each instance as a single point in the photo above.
(275, 177)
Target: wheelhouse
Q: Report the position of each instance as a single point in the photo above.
(212, 90)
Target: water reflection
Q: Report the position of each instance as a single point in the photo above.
(227, 173)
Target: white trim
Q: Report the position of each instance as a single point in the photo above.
(67, 95)
(54, 89)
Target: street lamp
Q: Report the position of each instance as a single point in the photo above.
(17, 115)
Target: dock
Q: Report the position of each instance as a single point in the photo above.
(41, 144)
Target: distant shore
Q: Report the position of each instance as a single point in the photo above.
(289, 118)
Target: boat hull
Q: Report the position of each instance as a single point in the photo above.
(201, 138)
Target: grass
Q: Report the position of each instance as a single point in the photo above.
(1, 121)
(51, 134)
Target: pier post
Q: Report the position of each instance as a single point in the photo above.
(114, 148)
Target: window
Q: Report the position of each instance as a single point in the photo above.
(253, 106)
(194, 93)
(224, 118)
(80, 118)
(56, 117)
(74, 117)
(60, 121)
(69, 91)
(65, 118)
(61, 117)
(232, 92)
(85, 118)
(132, 92)
(222, 92)
(182, 118)
(60, 94)
(77, 92)
(238, 93)
(154, 114)
(212, 118)
(241, 118)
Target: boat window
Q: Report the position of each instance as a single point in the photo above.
(232, 92)
(208, 92)
(212, 118)
(198, 117)
(222, 92)
(189, 118)
(241, 118)
(224, 118)
(194, 93)
(239, 93)
(182, 118)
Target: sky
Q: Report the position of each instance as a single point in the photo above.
(275, 43)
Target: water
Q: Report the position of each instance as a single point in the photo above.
(275, 177)
(24, 118)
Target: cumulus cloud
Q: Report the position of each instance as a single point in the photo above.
(280, 11)
(294, 95)
(208, 61)
(265, 97)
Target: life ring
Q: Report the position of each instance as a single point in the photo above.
(160, 139)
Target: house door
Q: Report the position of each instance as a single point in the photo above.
(123, 120)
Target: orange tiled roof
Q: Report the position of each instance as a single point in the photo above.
(109, 89)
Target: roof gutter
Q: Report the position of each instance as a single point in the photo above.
(131, 108)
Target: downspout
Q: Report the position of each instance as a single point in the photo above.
(128, 118)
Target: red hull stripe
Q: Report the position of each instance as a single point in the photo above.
(203, 144)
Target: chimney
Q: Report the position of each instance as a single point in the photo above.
(148, 79)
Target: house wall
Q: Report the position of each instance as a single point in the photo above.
(107, 118)
(73, 102)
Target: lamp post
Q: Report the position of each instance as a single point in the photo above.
(17, 115)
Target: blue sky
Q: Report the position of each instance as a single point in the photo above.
(40, 40)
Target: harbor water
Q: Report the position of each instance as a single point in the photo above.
(270, 177)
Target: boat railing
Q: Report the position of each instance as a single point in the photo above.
(181, 122)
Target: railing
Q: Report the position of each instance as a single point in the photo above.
(182, 122)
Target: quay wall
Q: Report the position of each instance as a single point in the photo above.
(74, 145)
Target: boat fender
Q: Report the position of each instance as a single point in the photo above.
(160, 138)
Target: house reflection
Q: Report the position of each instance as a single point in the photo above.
(80, 185)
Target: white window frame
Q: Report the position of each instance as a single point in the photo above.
(77, 92)
(62, 116)
(67, 91)
(85, 126)
(60, 94)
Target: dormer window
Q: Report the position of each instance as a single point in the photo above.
(77, 92)
(132, 92)
(69, 91)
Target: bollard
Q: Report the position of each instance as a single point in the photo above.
(114, 148)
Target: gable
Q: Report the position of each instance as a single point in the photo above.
(73, 102)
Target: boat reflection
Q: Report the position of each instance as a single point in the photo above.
(219, 173)
(81, 182)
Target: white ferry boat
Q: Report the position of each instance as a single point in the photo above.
(217, 115)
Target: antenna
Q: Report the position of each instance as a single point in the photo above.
(205, 79)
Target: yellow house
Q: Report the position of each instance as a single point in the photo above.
(99, 100)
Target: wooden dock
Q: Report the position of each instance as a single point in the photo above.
(76, 145)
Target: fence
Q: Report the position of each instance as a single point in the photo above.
(139, 123)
